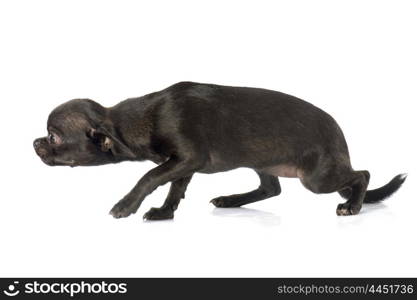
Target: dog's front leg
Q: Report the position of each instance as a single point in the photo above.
(176, 193)
(172, 169)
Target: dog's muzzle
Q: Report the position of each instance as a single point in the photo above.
(40, 151)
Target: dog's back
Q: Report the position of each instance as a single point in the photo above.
(253, 127)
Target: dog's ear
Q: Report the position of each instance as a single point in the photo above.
(100, 139)
(107, 141)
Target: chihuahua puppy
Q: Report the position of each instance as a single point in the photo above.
(193, 127)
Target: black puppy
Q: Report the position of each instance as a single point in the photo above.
(192, 127)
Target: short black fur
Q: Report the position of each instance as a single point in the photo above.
(192, 127)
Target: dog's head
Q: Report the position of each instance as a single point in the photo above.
(80, 133)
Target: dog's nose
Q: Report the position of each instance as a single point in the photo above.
(36, 143)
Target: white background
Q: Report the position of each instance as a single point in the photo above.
(355, 59)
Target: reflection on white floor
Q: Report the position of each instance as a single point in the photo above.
(294, 234)
(248, 214)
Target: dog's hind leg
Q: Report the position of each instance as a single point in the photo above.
(176, 193)
(350, 184)
(357, 190)
(269, 187)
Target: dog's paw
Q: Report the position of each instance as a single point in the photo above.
(347, 209)
(159, 214)
(121, 210)
(224, 202)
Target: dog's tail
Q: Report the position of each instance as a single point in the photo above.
(373, 196)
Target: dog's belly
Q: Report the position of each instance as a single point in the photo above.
(219, 164)
(283, 170)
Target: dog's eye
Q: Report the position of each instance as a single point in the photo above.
(52, 138)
